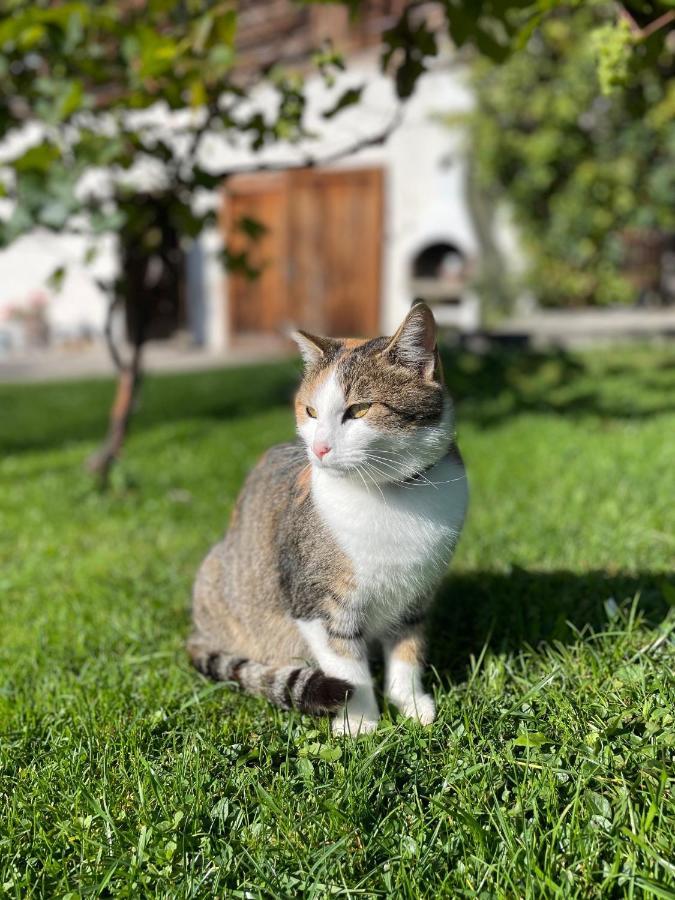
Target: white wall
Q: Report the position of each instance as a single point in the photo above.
(80, 305)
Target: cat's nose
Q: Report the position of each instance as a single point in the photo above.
(320, 449)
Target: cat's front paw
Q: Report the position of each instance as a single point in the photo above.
(353, 727)
(420, 708)
(359, 715)
(353, 723)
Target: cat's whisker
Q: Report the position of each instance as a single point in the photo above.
(392, 477)
(382, 459)
(419, 479)
(424, 480)
(392, 474)
(377, 486)
(398, 460)
(410, 481)
(382, 462)
(388, 481)
(394, 482)
(358, 470)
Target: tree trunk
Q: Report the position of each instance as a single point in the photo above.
(128, 382)
(152, 285)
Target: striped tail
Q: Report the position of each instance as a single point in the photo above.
(307, 689)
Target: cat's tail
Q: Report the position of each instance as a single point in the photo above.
(305, 688)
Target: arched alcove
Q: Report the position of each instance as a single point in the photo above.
(439, 274)
(440, 260)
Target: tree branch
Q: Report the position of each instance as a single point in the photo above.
(646, 31)
(658, 24)
(313, 162)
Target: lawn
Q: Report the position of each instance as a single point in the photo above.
(550, 769)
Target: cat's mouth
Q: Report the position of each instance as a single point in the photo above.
(332, 467)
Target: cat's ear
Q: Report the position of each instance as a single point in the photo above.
(414, 344)
(314, 349)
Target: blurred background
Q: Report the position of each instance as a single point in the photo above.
(184, 184)
(386, 151)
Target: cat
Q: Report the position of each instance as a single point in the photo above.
(339, 540)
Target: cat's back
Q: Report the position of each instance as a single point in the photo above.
(242, 568)
(236, 595)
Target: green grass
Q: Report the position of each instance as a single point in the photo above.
(550, 769)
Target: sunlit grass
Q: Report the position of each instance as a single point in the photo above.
(550, 769)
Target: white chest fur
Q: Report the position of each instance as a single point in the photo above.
(399, 538)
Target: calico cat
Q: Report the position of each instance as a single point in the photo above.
(339, 540)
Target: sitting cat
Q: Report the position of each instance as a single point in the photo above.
(340, 539)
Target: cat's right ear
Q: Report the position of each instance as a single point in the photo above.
(314, 349)
(414, 344)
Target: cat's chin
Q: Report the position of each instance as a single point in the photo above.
(332, 471)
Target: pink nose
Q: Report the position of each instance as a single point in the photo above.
(321, 449)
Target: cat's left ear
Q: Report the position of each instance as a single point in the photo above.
(414, 344)
(314, 349)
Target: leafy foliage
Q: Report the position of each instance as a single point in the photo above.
(585, 173)
(91, 93)
(499, 28)
(81, 86)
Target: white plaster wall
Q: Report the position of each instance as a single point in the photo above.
(80, 305)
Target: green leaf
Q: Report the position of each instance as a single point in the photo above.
(252, 228)
(56, 279)
(220, 59)
(600, 805)
(202, 32)
(407, 75)
(39, 158)
(31, 36)
(70, 100)
(531, 739)
(198, 96)
(330, 754)
(239, 263)
(658, 888)
(348, 98)
(306, 768)
(107, 221)
(19, 223)
(55, 214)
(90, 255)
(226, 27)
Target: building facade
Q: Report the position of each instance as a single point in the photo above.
(345, 246)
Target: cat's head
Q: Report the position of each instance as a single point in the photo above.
(375, 410)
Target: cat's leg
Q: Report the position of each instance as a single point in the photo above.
(404, 665)
(344, 657)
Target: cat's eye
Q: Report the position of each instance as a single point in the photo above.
(311, 412)
(357, 410)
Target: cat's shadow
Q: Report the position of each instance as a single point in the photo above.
(511, 610)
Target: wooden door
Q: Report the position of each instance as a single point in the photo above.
(320, 254)
(257, 304)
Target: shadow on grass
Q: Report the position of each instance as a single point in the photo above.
(495, 386)
(510, 610)
(488, 389)
(46, 416)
